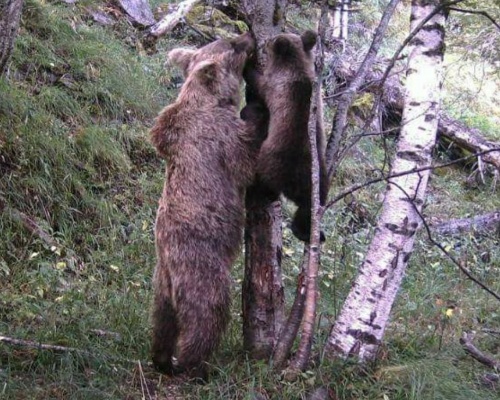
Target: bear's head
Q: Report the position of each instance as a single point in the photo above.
(216, 68)
(288, 47)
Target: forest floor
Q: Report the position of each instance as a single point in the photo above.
(75, 160)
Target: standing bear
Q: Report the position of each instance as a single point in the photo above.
(210, 154)
(284, 161)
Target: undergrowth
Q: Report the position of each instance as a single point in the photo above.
(75, 160)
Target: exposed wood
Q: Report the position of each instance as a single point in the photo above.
(172, 19)
(10, 13)
(139, 11)
(487, 223)
(466, 342)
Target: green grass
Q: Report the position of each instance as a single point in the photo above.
(75, 157)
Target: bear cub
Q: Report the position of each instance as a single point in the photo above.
(284, 161)
(210, 154)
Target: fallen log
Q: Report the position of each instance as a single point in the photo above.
(139, 11)
(482, 224)
(172, 19)
(449, 130)
(466, 342)
(469, 139)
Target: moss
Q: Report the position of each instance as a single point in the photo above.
(214, 23)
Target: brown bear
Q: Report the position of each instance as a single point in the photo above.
(284, 162)
(210, 154)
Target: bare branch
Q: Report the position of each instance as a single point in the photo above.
(440, 247)
(345, 101)
(466, 342)
(483, 13)
(60, 349)
(358, 186)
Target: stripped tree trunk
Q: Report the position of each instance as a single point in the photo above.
(360, 326)
(10, 13)
(262, 293)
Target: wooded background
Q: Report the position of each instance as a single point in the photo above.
(410, 265)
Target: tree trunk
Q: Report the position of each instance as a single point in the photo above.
(262, 294)
(10, 13)
(360, 326)
(301, 358)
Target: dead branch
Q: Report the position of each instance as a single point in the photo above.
(60, 349)
(345, 101)
(483, 13)
(459, 264)
(28, 222)
(469, 139)
(34, 345)
(358, 186)
(171, 20)
(466, 342)
(481, 223)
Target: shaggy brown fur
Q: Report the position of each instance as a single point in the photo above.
(284, 163)
(210, 155)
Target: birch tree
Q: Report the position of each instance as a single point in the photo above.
(362, 321)
(10, 13)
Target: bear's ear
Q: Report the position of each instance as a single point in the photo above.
(207, 72)
(282, 46)
(181, 58)
(243, 43)
(308, 40)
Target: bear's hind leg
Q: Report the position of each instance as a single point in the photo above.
(301, 224)
(165, 333)
(203, 319)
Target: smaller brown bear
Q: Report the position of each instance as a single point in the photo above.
(210, 155)
(284, 162)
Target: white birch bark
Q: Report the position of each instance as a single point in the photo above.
(346, 6)
(360, 326)
(337, 28)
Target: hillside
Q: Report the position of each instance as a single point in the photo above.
(79, 185)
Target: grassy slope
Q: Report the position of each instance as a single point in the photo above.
(74, 156)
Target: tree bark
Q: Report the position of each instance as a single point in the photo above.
(301, 358)
(10, 14)
(482, 223)
(360, 326)
(262, 293)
